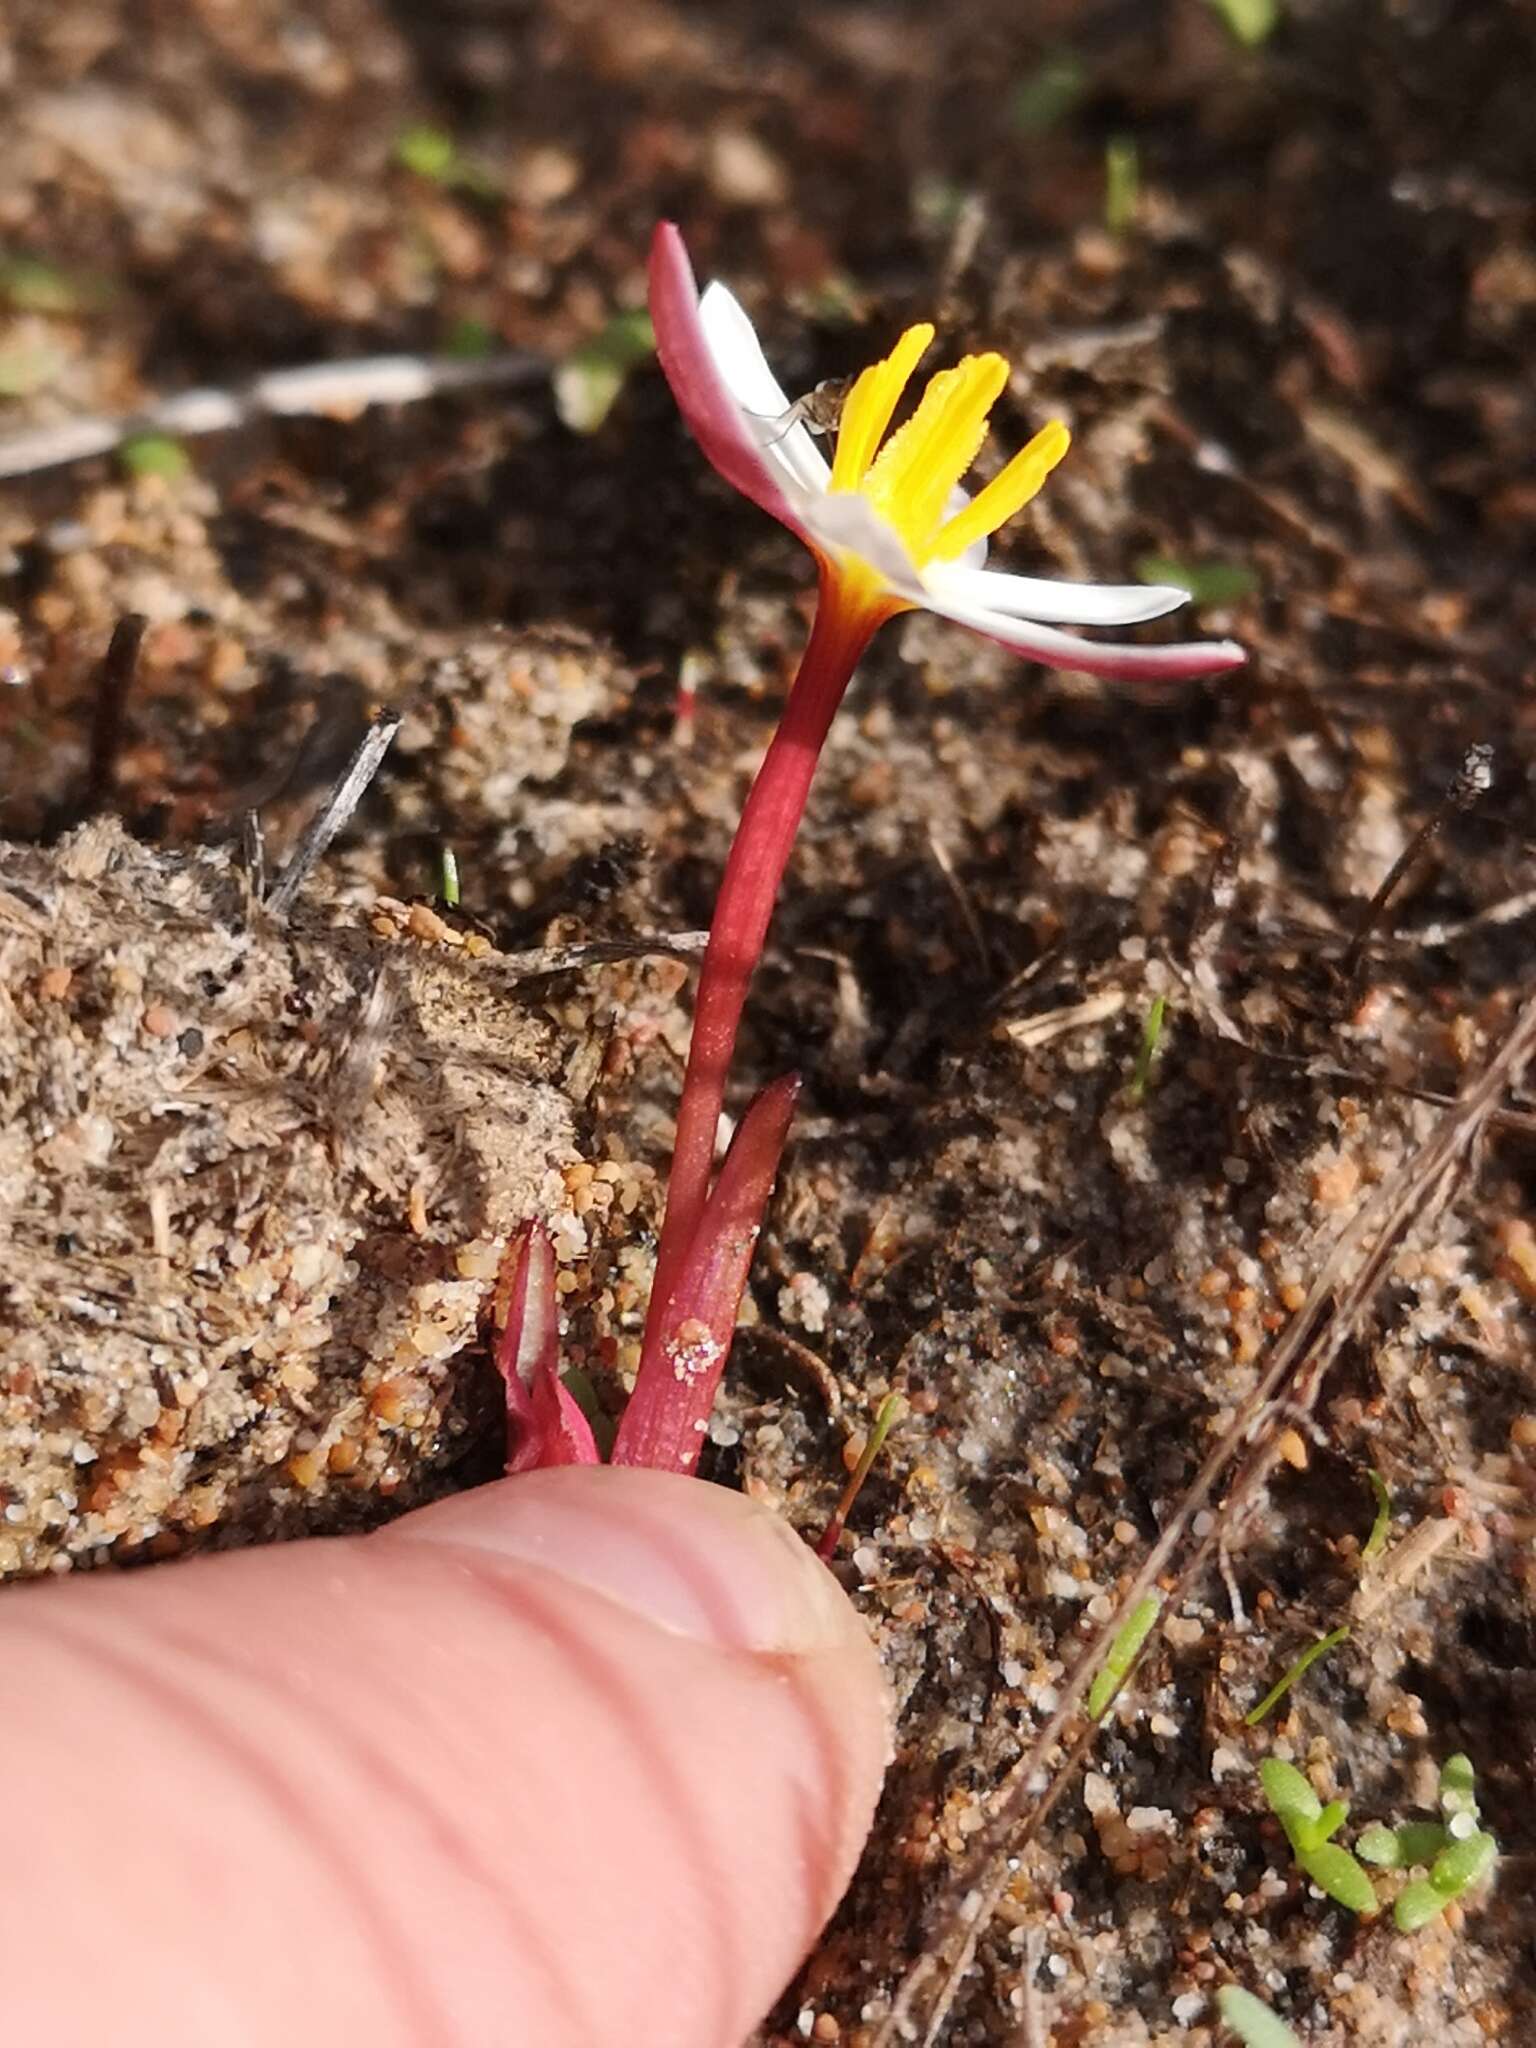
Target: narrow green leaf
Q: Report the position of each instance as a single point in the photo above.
(1251, 2019)
(1376, 1542)
(1334, 1871)
(891, 1411)
(1303, 1664)
(1151, 1036)
(1122, 1654)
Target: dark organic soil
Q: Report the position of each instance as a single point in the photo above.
(1301, 371)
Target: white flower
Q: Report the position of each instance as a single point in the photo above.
(887, 517)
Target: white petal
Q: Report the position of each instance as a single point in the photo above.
(738, 354)
(1093, 657)
(843, 522)
(732, 341)
(1064, 604)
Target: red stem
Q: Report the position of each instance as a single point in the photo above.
(668, 1413)
(748, 890)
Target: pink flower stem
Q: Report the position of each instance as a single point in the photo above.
(748, 890)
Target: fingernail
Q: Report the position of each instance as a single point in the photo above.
(687, 1556)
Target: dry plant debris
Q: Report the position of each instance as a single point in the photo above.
(253, 1178)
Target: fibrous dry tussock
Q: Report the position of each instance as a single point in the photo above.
(250, 1186)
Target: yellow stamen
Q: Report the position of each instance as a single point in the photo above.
(915, 472)
(1009, 491)
(912, 480)
(869, 405)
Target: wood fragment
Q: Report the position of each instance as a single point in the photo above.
(334, 813)
(326, 390)
(1470, 784)
(114, 682)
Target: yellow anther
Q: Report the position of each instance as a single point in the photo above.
(916, 472)
(912, 480)
(869, 405)
(1009, 491)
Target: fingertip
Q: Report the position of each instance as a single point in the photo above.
(587, 1756)
(681, 1554)
(703, 1596)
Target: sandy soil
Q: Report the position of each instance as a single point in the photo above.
(245, 1265)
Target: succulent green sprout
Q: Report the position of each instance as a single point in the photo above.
(1418, 1841)
(1251, 2019)
(1122, 1655)
(1456, 1853)
(1458, 1787)
(1308, 1826)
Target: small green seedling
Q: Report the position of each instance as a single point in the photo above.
(1151, 1038)
(1050, 94)
(1123, 1652)
(590, 379)
(1456, 1852)
(1309, 1826)
(1208, 583)
(431, 153)
(1251, 2019)
(470, 339)
(1251, 21)
(28, 284)
(1381, 1523)
(891, 1411)
(1122, 184)
(448, 877)
(154, 455)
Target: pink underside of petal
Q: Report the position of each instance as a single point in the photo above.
(703, 396)
(1059, 650)
(544, 1424)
